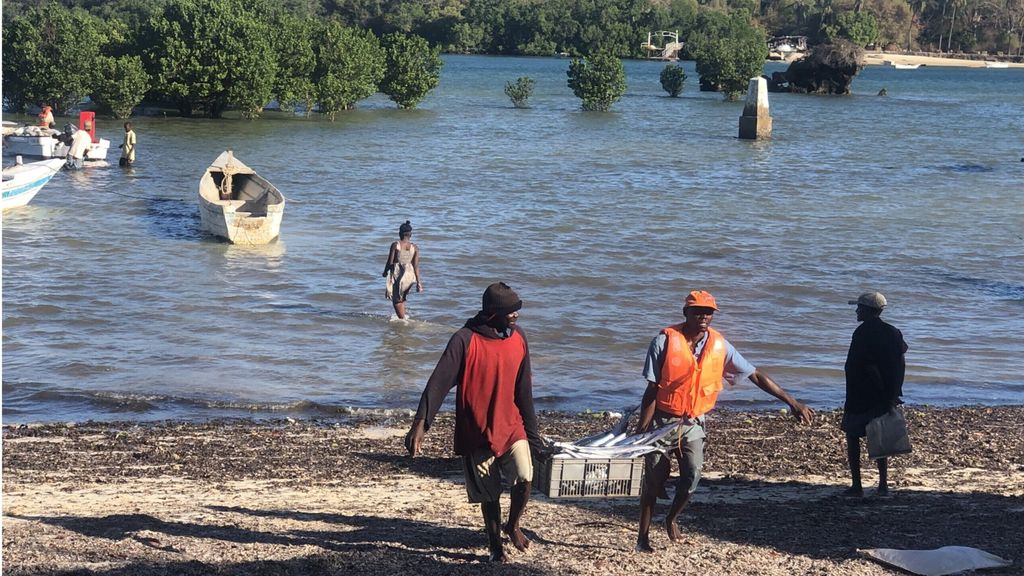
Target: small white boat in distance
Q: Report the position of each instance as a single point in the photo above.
(238, 204)
(903, 66)
(22, 181)
(996, 65)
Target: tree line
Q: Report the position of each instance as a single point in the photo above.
(581, 27)
(204, 56)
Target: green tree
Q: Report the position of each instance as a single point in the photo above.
(211, 54)
(519, 91)
(350, 66)
(296, 61)
(728, 58)
(132, 13)
(413, 69)
(121, 84)
(49, 57)
(672, 77)
(485, 22)
(599, 81)
(892, 17)
(466, 38)
(861, 28)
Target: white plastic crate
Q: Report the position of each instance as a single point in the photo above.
(592, 477)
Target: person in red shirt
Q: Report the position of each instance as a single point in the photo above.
(488, 362)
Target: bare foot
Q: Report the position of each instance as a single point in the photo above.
(853, 492)
(673, 531)
(519, 540)
(498, 557)
(643, 544)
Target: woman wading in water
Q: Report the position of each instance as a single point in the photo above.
(402, 269)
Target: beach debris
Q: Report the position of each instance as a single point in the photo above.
(938, 562)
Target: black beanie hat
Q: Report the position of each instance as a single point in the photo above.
(405, 228)
(500, 299)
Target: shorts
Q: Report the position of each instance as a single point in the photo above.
(484, 471)
(688, 447)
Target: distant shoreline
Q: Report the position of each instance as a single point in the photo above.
(881, 59)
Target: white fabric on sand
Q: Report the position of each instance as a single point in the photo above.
(938, 562)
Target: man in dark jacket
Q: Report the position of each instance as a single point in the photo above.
(488, 360)
(875, 367)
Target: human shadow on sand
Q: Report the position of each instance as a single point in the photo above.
(815, 521)
(350, 564)
(354, 534)
(421, 539)
(807, 519)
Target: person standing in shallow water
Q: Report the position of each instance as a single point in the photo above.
(685, 366)
(402, 269)
(128, 147)
(875, 367)
(81, 141)
(488, 361)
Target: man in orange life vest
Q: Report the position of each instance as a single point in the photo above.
(685, 366)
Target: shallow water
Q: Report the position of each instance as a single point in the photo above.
(115, 305)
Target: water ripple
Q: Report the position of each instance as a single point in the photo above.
(116, 305)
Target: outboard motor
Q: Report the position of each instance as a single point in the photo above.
(68, 134)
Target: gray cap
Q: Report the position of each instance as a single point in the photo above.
(871, 300)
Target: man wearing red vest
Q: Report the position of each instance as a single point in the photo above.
(488, 360)
(685, 366)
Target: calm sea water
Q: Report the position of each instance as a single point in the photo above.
(116, 306)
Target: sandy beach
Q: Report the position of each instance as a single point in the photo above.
(883, 58)
(303, 497)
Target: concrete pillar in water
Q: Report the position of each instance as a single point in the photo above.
(755, 123)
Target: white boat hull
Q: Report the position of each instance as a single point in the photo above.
(239, 227)
(22, 182)
(902, 66)
(50, 147)
(252, 214)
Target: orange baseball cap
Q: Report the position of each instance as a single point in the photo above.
(700, 298)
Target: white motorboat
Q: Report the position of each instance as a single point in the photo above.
(238, 204)
(21, 182)
(42, 142)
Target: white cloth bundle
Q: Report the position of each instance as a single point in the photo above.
(938, 562)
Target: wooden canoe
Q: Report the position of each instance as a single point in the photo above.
(238, 204)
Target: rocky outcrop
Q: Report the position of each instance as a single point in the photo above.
(827, 69)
